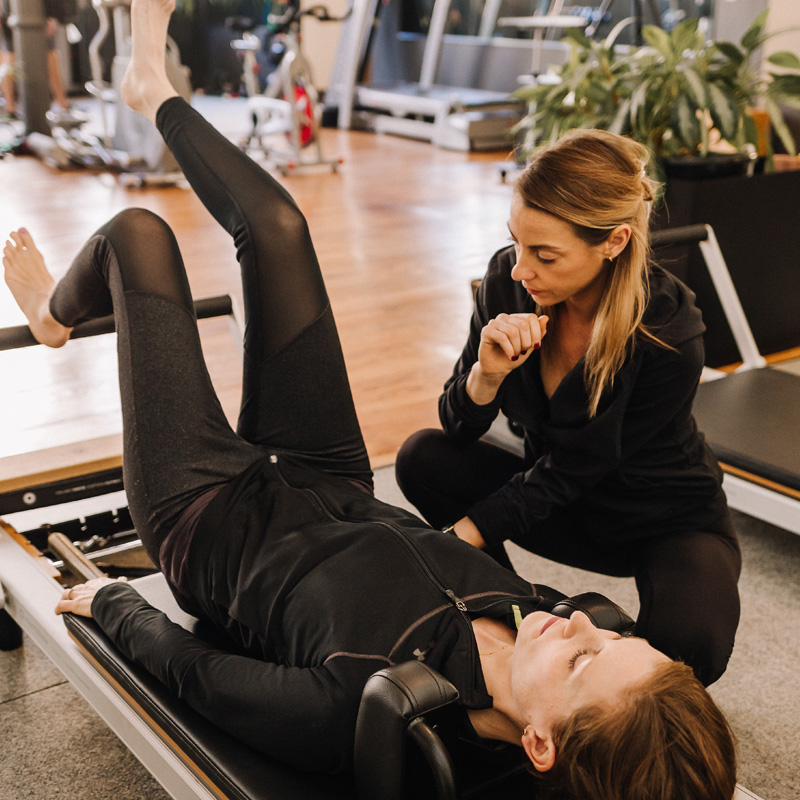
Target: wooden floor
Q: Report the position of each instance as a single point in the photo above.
(400, 231)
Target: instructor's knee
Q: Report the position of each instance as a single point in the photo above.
(704, 644)
(414, 460)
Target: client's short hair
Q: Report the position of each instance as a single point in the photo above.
(666, 739)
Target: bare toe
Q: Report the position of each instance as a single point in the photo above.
(32, 285)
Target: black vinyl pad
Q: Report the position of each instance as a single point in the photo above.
(752, 421)
(237, 771)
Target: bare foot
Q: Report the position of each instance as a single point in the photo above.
(32, 285)
(145, 85)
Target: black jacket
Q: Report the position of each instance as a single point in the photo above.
(318, 585)
(639, 468)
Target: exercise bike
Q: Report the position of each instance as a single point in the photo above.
(286, 117)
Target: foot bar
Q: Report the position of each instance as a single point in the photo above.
(21, 336)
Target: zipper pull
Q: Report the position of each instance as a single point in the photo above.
(457, 601)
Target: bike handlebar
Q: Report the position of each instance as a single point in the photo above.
(293, 12)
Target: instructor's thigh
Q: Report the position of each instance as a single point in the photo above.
(689, 599)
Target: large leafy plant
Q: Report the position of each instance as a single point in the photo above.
(677, 94)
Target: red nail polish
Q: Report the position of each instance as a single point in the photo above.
(514, 358)
(524, 353)
(537, 345)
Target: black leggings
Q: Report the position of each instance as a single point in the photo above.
(687, 581)
(295, 395)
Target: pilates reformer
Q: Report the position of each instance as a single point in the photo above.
(749, 416)
(398, 750)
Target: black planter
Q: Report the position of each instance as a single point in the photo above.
(756, 220)
(714, 165)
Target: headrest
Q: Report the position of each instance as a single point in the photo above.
(601, 611)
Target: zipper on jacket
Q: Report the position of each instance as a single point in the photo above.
(457, 601)
(415, 554)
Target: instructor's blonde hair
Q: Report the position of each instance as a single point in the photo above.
(595, 181)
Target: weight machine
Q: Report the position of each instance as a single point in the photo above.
(129, 144)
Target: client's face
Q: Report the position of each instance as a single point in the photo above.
(560, 665)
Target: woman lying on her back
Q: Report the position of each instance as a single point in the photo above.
(273, 535)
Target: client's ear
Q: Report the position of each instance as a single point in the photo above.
(539, 748)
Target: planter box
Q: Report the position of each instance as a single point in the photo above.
(757, 222)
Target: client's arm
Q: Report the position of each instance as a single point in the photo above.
(302, 716)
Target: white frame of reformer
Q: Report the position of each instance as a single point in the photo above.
(744, 495)
(29, 594)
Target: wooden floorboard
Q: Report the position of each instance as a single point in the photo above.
(400, 231)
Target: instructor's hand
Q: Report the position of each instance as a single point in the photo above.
(78, 599)
(467, 530)
(507, 342)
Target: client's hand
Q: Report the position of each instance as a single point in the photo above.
(78, 599)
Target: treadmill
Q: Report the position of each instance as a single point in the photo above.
(451, 117)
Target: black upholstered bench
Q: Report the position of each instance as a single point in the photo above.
(750, 417)
(392, 722)
(234, 770)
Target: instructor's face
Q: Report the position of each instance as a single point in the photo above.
(561, 665)
(553, 264)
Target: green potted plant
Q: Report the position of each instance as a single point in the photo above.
(686, 99)
(678, 94)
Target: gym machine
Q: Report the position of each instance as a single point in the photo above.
(129, 144)
(289, 108)
(451, 117)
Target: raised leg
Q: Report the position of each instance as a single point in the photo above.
(177, 442)
(296, 395)
(145, 85)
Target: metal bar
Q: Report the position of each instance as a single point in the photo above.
(728, 297)
(671, 237)
(21, 336)
(80, 565)
(433, 44)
